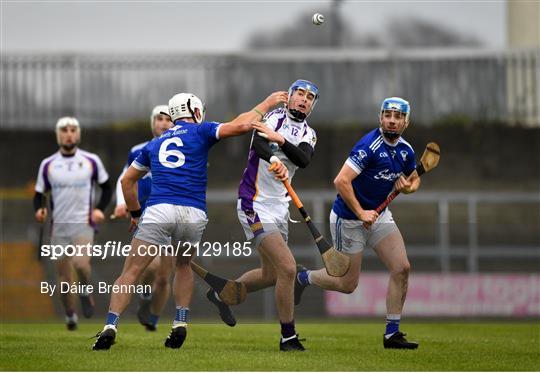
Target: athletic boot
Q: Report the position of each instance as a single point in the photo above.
(298, 287)
(224, 311)
(176, 337)
(143, 314)
(87, 304)
(291, 344)
(71, 322)
(397, 340)
(105, 338)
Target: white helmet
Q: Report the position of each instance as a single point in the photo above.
(160, 109)
(183, 105)
(64, 122)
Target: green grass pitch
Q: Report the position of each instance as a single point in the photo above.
(333, 346)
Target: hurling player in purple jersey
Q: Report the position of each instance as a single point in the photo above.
(69, 177)
(285, 141)
(379, 163)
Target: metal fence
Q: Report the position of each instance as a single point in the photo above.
(438, 252)
(441, 248)
(100, 89)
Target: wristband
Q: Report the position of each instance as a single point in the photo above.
(258, 112)
(136, 213)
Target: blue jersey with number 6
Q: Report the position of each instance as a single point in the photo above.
(178, 161)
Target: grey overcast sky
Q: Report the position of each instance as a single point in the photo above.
(195, 26)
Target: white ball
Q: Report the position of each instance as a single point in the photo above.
(317, 19)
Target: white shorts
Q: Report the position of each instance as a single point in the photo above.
(65, 231)
(72, 234)
(163, 224)
(350, 236)
(261, 219)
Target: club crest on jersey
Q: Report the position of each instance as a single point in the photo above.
(403, 155)
(362, 154)
(251, 216)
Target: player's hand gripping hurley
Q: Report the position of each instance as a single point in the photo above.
(429, 160)
(337, 264)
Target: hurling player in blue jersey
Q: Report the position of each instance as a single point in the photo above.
(159, 271)
(379, 163)
(176, 209)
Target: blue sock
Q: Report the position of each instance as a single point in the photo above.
(112, 318)
(154, 319)
(392, 324)
(287, 329)
(182, 315)
(303, 277)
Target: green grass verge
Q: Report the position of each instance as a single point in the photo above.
(254, 347)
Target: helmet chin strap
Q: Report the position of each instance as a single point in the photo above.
(390, 135)
(296, 115)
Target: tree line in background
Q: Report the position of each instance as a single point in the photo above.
(336, 32)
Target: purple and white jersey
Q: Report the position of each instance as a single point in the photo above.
(259, 184)
(71, 182)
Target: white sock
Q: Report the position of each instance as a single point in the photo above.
(73, 318)
(283, 340)
(178, 323)
(309, 277)
(217, 296)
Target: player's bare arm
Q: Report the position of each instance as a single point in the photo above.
(242, 123)
(343, 184)
(129, 189)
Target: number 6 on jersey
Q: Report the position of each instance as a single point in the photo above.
(165, 153)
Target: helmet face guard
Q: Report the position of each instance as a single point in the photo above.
(401, 106)
(307, 86)
(184, 105)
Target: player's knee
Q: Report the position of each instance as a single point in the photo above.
(161, 283)
(402, 270)
(288, 270)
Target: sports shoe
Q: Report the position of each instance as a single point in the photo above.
(292, 344)
(87, 303)
(298, 287)
(224, 311)
(143, 314)
(397, 340)
(105, 338)
(176, 337)
(71, 322)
